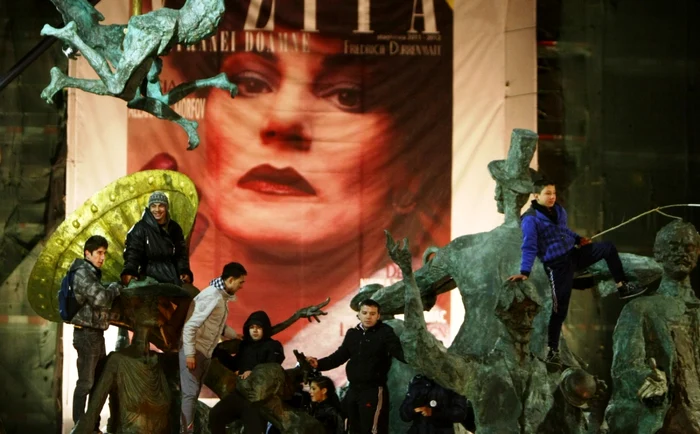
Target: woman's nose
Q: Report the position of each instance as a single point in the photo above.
(288, 123)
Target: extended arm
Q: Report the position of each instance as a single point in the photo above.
(306, 312)
(182, 254)
(340, 356)
(89, 290)
(421, 349)
(394, 347)
(229, 332)
(529, 246)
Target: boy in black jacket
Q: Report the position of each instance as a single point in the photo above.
(434, 409)
(257, 347)
(156, 247)
(369, 348)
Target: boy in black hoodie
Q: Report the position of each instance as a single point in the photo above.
(369, 347)
(257, 347)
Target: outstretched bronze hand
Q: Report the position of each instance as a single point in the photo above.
(400, 253)
(313, 311)
(305, 312)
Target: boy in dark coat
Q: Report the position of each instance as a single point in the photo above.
(434, 409)
(562, 252)
(368, 348)
(156, 246)
(257, 347)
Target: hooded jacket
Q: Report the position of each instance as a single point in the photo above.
(156, 251)
(545, 235)
(95, 298)
(329, 416)
(447, 406)
(252, 353)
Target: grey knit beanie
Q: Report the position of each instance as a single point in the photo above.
(158, 197)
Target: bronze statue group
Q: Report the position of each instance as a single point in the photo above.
(653, 375)
(156, 251)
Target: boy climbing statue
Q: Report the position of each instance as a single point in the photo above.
(562, 252)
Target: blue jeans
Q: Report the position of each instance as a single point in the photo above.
(90, 345)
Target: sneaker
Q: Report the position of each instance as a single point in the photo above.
(629, 290)
(553, 360)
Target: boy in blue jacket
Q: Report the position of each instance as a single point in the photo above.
(562, 252)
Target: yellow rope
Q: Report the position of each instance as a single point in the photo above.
(135, 7)
(658, 209)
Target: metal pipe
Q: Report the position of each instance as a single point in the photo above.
(135, 7)
(29, 58)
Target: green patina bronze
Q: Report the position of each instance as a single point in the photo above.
(127, 58)
(656, 364)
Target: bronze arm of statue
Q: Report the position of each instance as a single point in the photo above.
(422, 350)
(307, 312)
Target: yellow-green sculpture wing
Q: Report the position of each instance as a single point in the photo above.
(111, 213)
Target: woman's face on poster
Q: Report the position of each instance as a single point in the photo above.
(297, 156)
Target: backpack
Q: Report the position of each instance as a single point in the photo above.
(68, 305)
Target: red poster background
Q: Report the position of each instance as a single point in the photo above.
(335, 135)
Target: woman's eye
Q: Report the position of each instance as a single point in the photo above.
(345, 96)
(251, 83)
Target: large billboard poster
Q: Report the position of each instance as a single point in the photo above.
(342, 127)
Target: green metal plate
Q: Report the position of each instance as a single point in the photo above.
(111, 212)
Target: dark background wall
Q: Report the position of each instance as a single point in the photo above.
(620, 117)
(32, 187)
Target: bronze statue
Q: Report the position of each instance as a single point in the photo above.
(269, 386)
(509, 386)
(656, 363)
(478, 264)
(135, 374)
(127, 57)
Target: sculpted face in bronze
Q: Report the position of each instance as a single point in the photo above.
(676, 248)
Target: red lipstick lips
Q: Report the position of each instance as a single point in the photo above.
(280, 182)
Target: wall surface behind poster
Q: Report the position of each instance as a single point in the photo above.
(351, 118)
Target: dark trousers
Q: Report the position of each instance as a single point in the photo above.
(232, 407)
(561, 277)
(90, 345)
(368, 410)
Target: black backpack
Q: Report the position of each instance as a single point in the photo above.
(68, 305)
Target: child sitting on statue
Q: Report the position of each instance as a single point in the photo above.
(562, 252)
(257, 347)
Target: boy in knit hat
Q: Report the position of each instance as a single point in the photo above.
(156, 247)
